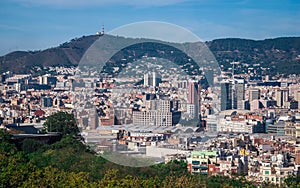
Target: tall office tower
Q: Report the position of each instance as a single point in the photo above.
(254, 94)
(281, 95)
(226, 95)
(156, 79)
(192, 93)
(239, 94)
(297, 97)
(193, 99)
(152, 79)
(147, 79)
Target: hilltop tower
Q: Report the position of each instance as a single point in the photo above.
(102, 31)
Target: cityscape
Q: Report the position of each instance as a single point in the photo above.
(107, 110)
(169, 115)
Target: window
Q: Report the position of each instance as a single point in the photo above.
(281, 173)
(267, 172)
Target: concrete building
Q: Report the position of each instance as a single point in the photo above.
(281, 95)
(297, 97)
(47, 102)
(212, 123)
(193, 101)
(275, 175)
(240, 124)
(152, 79)
(277, 128)
(47, 80)
(226, 96)
(192, 110)
(198, 162)
(254, 94)
(239, 94)
(152, 118)
(93, 119)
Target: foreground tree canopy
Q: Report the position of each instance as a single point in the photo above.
(69, 163)
(62, 122)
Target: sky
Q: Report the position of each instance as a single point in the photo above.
(40, 24)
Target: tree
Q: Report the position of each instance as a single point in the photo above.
(62, 122)
(292, 181)
(4, 136)
(30, 145)
(6, 147)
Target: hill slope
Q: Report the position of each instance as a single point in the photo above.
(66, 54)
(279, 55)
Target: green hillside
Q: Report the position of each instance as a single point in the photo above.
(275, 55)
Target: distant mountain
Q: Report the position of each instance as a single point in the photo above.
(269, 56)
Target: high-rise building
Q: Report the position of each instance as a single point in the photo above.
(239, 93)
(192, 93)
(281, 96)
(226, 96)
(297, 97)
(147, 79)
(152, 79)
(191, 110)
(233, 94)
(156, 79)
(254, 94)
(193, 99)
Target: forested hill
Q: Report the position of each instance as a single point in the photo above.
(66, 54)
(279, 55)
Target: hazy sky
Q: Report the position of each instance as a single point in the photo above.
(40, 24)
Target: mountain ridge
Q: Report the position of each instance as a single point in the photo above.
(272, 53)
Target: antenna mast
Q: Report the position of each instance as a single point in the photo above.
(102, 32)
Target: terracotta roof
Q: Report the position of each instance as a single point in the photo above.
(39, 113)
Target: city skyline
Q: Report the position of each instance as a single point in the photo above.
(34, 25)
(97, 88)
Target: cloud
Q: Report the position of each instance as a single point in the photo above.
(78, 3)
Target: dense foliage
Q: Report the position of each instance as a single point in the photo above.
(69, 163)
(62, 122)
